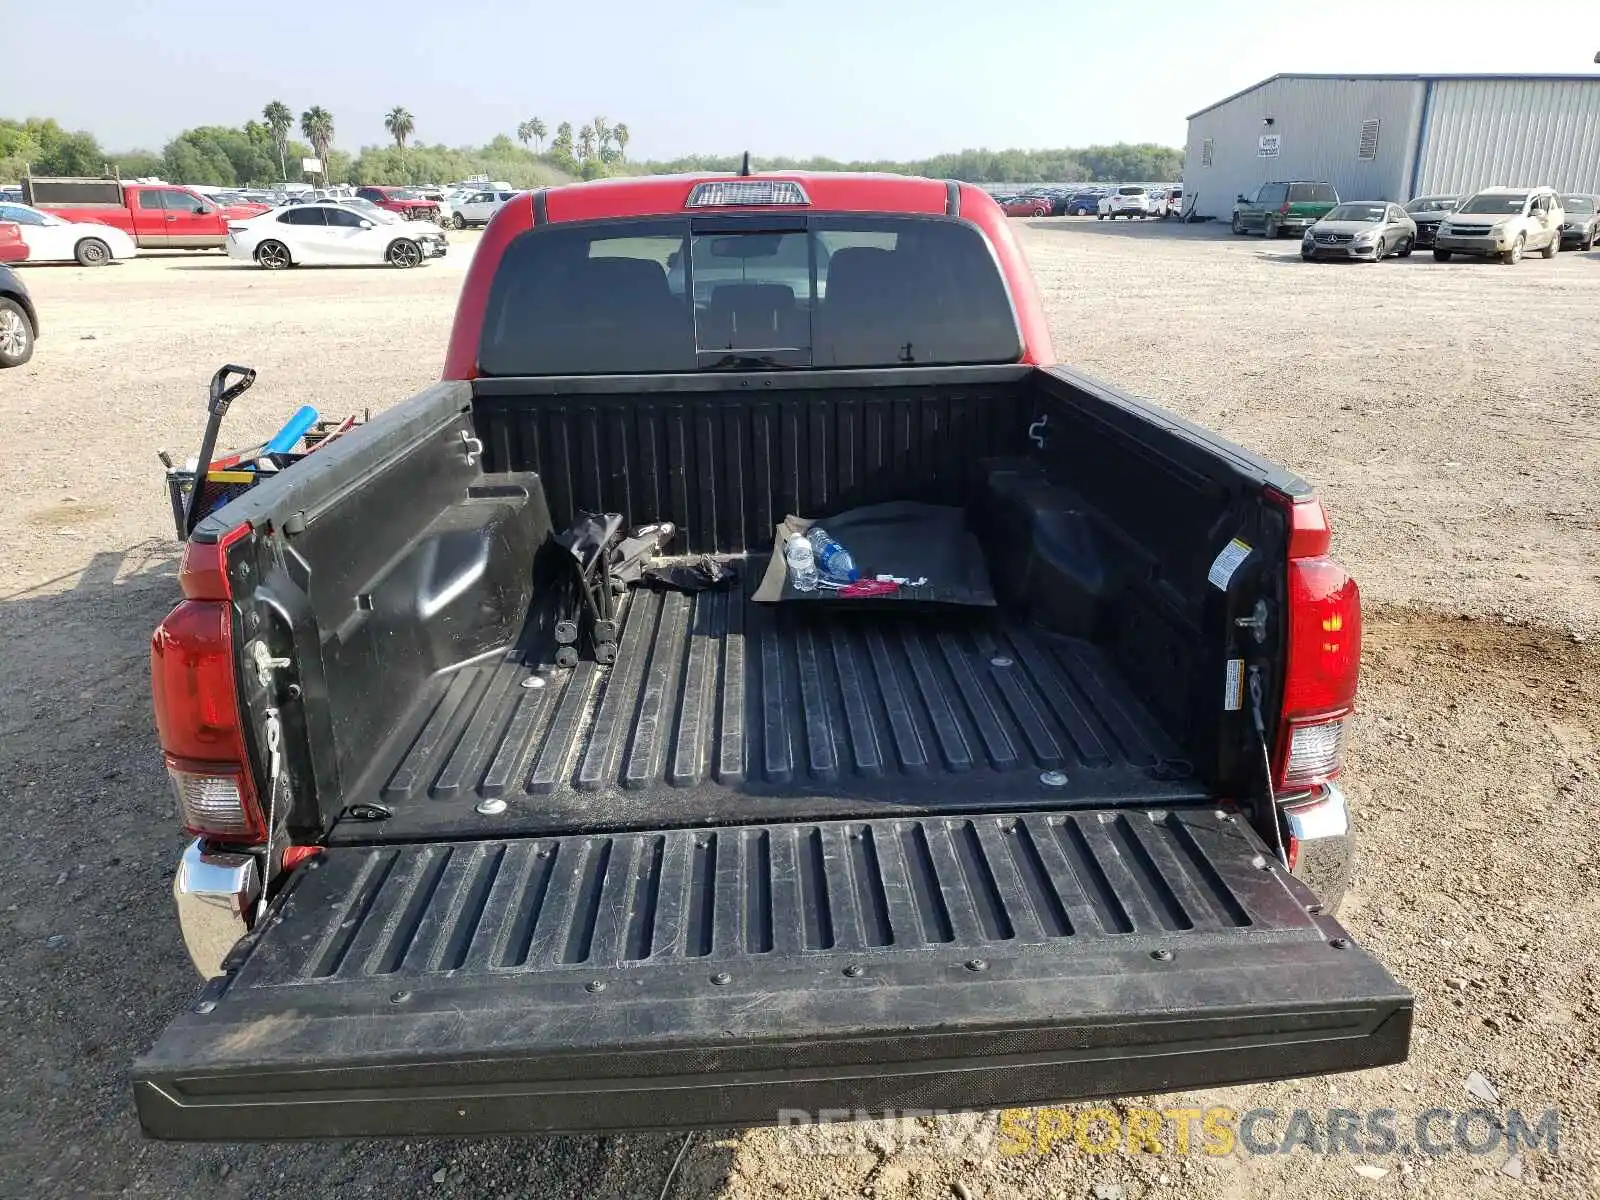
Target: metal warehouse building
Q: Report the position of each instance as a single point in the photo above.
(1391, 137)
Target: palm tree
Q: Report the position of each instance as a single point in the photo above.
(399, 123)
(620, 135)
(316, 123)
(586, 142)
(536, 127)
(563, 140)
(280, 121)
(602, 135)
(525, 132)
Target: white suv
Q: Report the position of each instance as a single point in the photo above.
(1501, 223)
(1130, 200)
(478, 208)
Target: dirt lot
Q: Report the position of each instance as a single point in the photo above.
(1463, 471)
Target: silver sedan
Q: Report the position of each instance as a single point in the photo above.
(1362, 229)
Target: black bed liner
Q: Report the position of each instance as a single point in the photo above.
(709, 977)
(719, 709)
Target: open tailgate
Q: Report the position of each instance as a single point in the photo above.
(713, 977)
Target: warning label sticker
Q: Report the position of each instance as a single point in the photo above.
(1233, 689)
(1227, 562)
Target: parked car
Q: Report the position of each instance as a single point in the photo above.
(12, 248)
(478, 208)
(157, 216)
(402, 201)
(1427, 212)
(1130, 200)
(19, 321)
(1502, 223)
(50, 239)
(1172, 205)
(1025, 206)
(1291, 206)
(1369, 229)
(1582, 224)
(442, 198)
(329, 233)
(1056, 196)
(441, 880)
(1083, 203)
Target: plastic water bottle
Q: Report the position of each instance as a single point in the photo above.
(831, 557)
(802, 563)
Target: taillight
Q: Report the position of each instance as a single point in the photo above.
(1323, 654)
(197, 703)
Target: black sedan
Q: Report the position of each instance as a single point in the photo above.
(1582, 226)
(1428, 212)
(19, 323)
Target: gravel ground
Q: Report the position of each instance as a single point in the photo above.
(1462, 472)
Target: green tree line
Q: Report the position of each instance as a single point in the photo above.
(265, 151)
(1144, 162)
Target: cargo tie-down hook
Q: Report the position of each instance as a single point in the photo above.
(1039, 430)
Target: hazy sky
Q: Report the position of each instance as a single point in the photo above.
(848, 78)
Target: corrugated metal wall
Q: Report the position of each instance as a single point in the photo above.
(1513, 132)
(1319, 124)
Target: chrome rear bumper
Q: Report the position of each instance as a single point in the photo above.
(215, 894)
(1322, 843)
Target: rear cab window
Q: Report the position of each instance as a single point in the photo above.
(743, 292)
(1313, 193)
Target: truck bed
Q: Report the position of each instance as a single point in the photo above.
(719, 709)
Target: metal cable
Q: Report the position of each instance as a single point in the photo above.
(1266, 763)
(672, 1173)
(274, 773)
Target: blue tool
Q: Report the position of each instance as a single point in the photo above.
(289, 436)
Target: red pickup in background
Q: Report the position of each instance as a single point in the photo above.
(403, 201)
(12, 247)
(159, 216)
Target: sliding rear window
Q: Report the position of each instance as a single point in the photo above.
(686, 294)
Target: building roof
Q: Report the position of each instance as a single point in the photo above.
(1387, 78)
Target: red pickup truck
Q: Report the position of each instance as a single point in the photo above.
(447, 876)
(404, 202)
(160, 216)
(12, 247)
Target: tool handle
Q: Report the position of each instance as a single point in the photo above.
(224, 393)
